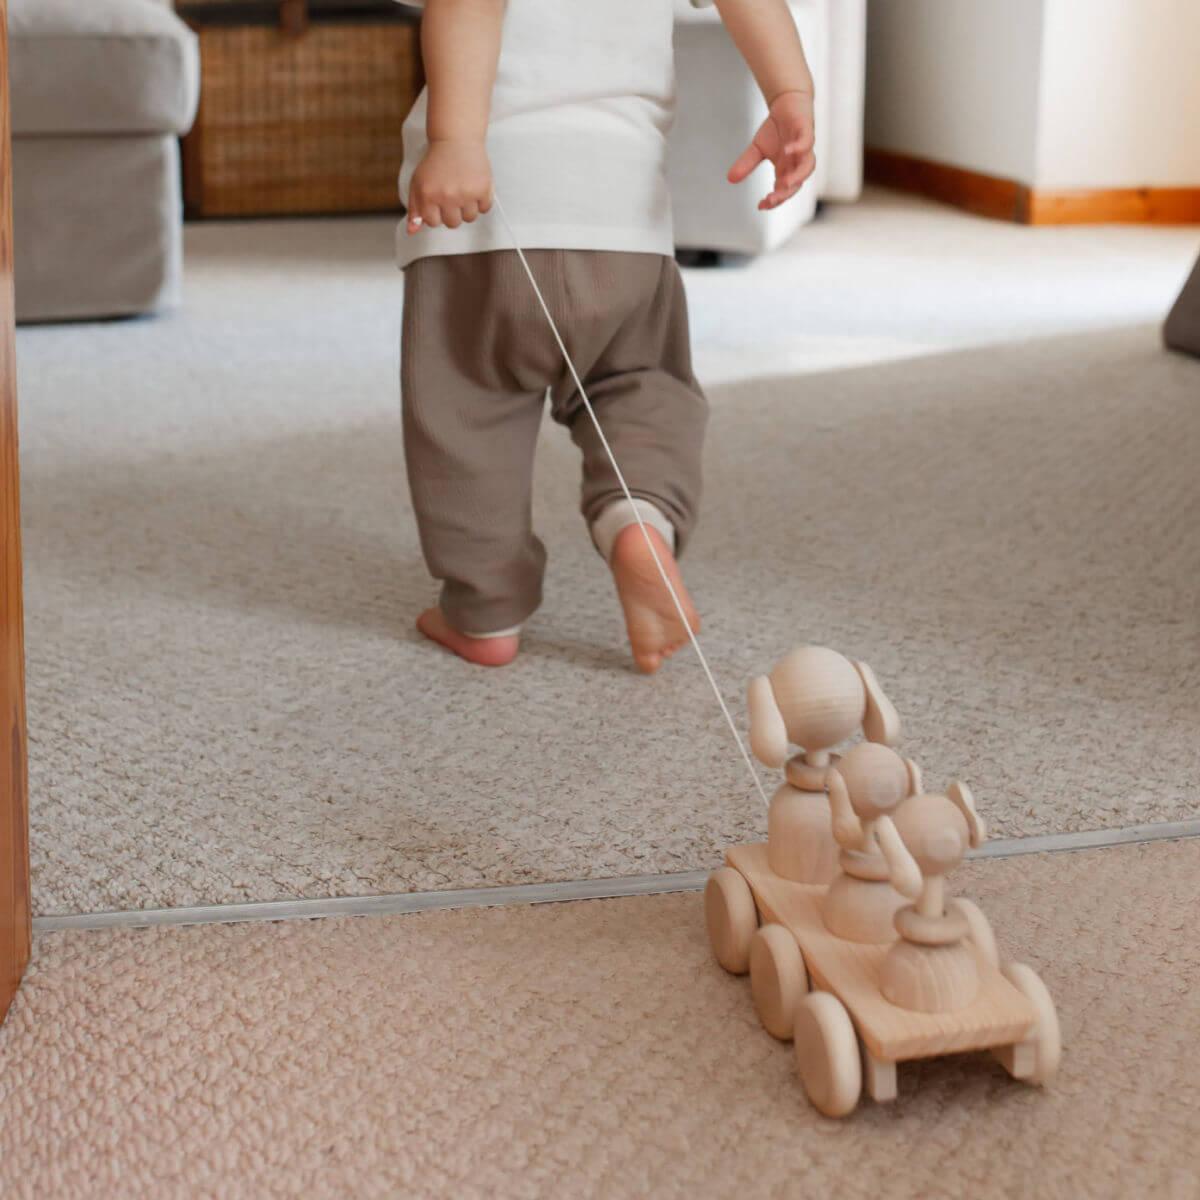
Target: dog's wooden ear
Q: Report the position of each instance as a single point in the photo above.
(960, 796)
(847, 828)
(881, 721)
(768, 733)
(915, 783)
(906, 875)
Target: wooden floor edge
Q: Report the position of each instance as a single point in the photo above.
(1008, 200)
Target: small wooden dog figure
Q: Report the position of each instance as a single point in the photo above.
(814, 698)
(867, 784)
(932, 968)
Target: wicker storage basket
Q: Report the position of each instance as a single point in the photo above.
(300, 111)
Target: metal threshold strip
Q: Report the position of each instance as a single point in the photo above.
(398, 903)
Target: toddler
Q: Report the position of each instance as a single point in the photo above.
(565, 105)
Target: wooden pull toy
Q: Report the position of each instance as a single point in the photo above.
(857, 1004)
(814, 699)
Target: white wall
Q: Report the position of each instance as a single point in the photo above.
(1051, 93)
(1120, 101)
(956, 81)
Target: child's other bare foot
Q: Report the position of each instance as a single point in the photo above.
(484, 652)
(655, 630)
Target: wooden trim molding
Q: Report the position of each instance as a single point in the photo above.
(14, 795)
(1008, 200)
(1116, 206)
(987, 195)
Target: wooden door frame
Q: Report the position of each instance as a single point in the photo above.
(15, 932)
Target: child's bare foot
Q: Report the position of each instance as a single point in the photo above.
(655, 630)
(484, 652)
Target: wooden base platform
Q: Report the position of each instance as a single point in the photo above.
(1000, 1016)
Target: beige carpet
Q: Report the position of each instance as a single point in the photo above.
(587, 1050)
(226, 698)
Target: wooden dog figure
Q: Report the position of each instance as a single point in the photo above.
(815, 699)
(868, 783)
(933, 967)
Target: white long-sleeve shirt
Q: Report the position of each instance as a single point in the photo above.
(583, 102)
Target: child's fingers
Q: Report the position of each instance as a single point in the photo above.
(451, 216)
(750, 158)
(802, 143)
(780, 195)
(785, 188)
(485, 205)
(417, 210)
(805, 167)
(793, 171)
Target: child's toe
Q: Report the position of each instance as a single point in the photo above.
(648, 661)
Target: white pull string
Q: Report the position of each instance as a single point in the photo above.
(662, 571)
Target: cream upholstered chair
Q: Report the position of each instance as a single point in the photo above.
(720, 109)
(100, 91)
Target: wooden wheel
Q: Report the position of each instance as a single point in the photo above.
(1036, 1059)
(827, 1054)
(731, 918)
(979, 930)
(777, 979)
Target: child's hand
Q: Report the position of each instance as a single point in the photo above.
(452, 184)
(786, 139)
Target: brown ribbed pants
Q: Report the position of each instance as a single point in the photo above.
(477, 358)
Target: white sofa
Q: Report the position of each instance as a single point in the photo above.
(100, 91)
(720, 109)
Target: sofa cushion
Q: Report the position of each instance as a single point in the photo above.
(100, 66)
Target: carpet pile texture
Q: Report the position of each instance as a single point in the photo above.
(227, 700)
(587, 1050)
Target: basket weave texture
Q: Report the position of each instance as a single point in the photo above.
(300, 123)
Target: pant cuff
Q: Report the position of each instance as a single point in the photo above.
(512, 631)
(476, 616)
(620, 514)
